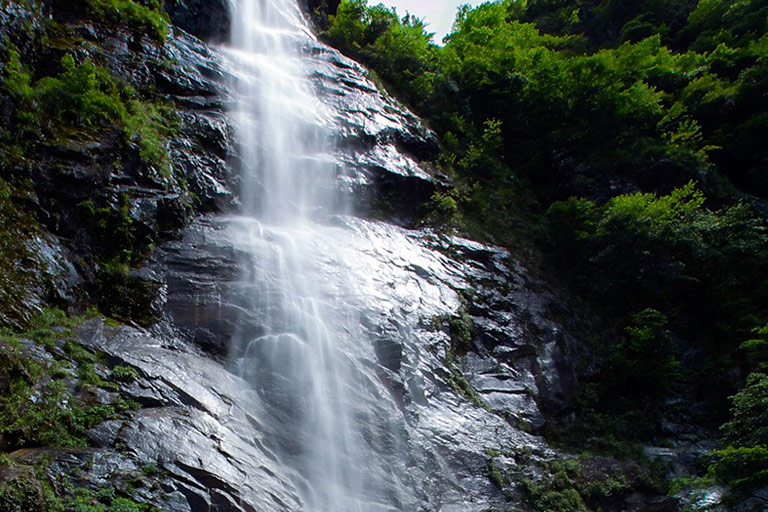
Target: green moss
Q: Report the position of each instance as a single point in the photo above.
(151, 125)
(589, 482)
(87, 376)
(125, 374)
(150, 470)
(678, 485)
(459, 383)
(49, 325)
(146, 17)
(496, 475)
(125, 298)
(459, 329)
(113, 227)
(40, 415)
(106, 499)
(78, 353)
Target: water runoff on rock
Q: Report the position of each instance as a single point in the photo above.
(297, 351)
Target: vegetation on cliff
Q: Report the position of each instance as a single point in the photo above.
(66, 103)
(53, 390)
(62, 107)
(626, 139)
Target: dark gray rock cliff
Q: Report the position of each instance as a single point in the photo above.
(209, 20)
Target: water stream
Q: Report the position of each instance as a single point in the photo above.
(298, 350)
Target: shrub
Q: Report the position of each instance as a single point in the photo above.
(22, 494)
(742, 467)
(38, 402)
(84, 100)
(554, 495)
(749, 426)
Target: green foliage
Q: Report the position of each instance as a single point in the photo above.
(104, 500)
(688, 269)
(724, 21)
(668, 252)
(461, 386)
(81, 95)
(444, 206)
(50, 420)
(17, 84)
(26, 492)
(122, 243)
(756, 349)
(495, 474)
(589, 482)
(114, 229)
(459, 328)
(151, 126)
(143, 17)
(742, 467)
(84, 100)
(347, 27)
(554, 493)
(642, 366)
(22, 495)
(124, 298)
(572, 119)
(150, 470)
(749, 426)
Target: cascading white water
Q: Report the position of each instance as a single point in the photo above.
(281, 122)
(291, 347)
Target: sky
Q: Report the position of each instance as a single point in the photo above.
(438, 14)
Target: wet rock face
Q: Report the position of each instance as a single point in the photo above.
(197, 268)
(381, 146)
(433, 406)
(408, 286)
(195, 445)
(213, 443)
(207, 19)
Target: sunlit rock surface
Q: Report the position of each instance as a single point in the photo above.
(402, 283)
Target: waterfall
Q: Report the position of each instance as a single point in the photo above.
(297, 352)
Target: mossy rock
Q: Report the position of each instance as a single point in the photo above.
(21, 491)
(126, 296)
